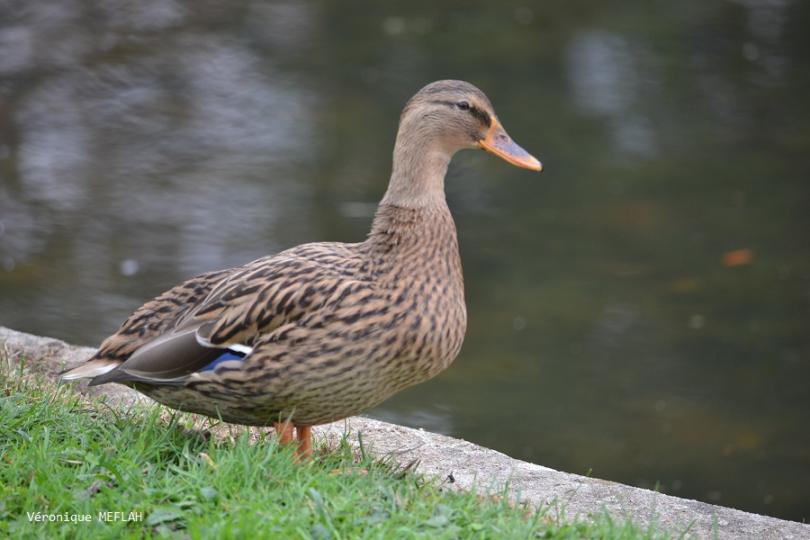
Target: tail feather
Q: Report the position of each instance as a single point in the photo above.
(93, 368)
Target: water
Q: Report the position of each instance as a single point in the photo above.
(638, 312)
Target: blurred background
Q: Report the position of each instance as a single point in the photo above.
(639, 312)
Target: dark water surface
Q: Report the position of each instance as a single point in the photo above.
(639, 312)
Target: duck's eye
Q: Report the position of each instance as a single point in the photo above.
(463, 105)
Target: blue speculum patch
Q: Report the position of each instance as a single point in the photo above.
(226, 355)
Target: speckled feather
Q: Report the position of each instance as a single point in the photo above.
(334, 328)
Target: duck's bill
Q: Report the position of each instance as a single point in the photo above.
(501, 144)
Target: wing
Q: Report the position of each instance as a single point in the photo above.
(247, 303)
(147, 324)
(159, 316)
(267, 294)
(167, 359)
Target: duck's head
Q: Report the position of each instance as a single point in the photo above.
(454, 115)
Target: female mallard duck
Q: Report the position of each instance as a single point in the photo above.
(322, 331)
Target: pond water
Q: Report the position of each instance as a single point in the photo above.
(639, 312)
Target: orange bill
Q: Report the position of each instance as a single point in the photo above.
(501, 144)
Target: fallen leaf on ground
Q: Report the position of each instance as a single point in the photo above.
(738, 257)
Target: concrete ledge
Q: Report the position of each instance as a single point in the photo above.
(467, 464)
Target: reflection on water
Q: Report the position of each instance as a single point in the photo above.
(640, 311)
(606, 82)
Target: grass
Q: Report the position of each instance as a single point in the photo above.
(66, 456)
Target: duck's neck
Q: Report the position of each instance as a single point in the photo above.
(417, 176)
(413, 220)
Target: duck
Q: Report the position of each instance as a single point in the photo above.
(325, 330)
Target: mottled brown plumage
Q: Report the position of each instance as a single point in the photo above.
(326, 330)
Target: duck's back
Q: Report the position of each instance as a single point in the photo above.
(246, 296)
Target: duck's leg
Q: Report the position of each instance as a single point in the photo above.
(304, 441)
(284, 432)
